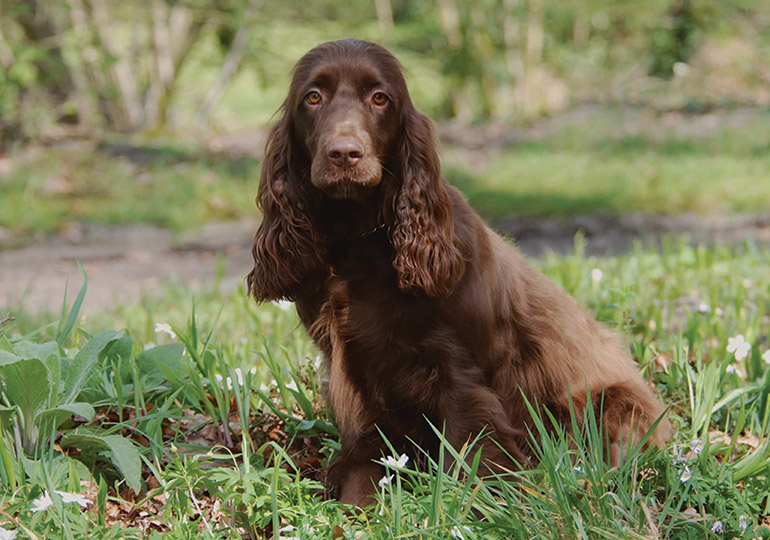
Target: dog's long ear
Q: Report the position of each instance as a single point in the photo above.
(427, 258)
(288, 251)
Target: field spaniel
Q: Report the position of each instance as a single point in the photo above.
(422, 312)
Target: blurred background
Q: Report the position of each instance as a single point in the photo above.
(133, 123)
(84, 66)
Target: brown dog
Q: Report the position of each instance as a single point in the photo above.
(421, 311)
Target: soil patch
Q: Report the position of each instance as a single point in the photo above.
(125, 262)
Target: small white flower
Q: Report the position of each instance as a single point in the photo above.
(317, 362)
(739, 346)
(703, 307)
(43, 502)
(164, 328)
(742, 521)
(686, 474)
(385, 481)
(239, 374)
(734, 369)
(399, 463)
(719, 312)
(291, 385)
(766, 357)
(596, 276)
(578, 469)
(228, 380)
(74, 498)
(5, 534)
(149, 345)
(253, 371)
(457, 532)
(696, 446)
(681, 69)
(718, 528)
(283, 304)
(678, 455)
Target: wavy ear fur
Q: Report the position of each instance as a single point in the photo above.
(288, 251)
(427, 257)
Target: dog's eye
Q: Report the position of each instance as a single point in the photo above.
(313, 97)
(379, 99)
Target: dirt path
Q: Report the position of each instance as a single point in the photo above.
(125, 262)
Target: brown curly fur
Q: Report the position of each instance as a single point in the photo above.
(422, 312)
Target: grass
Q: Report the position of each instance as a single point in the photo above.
(626, 160)
(610, 160)
(224, 411)
(115, 183)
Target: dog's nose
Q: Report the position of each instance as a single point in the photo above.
(345, 151)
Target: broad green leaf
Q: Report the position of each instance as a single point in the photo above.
(6, 345)
(80, 368)
(7, 358)
(53, 363)
(41, 351)
(64, 412)
(6, 416)
(165, 362)
(122, 452)
(121, 348)
(27, 385)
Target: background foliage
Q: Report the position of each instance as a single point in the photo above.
(162, 64)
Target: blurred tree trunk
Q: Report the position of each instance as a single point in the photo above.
(90, 76)
(535, 33)
(511, 38)
(384, 18)
(174, 32)
(230, 65)
(130, 105)
(39, 25)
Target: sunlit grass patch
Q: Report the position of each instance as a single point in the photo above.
(222, 401)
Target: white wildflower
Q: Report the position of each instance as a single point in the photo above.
(283, 304)
(696, 446)
(239, 374)
(704, 308)
(457, 532)
(742, 521)
(685, 474)
(291, 385)
(678, 455)
(681, 69)
(74, 498)
(719, 312)
(718, 528)
(317, 362)
(766, 357)
(739, 346)
(43, 502)
(385, 481)
(5, 534)
(164, 328)
(253, 371)
(399, 463)
(733, 369)
(596, 276)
